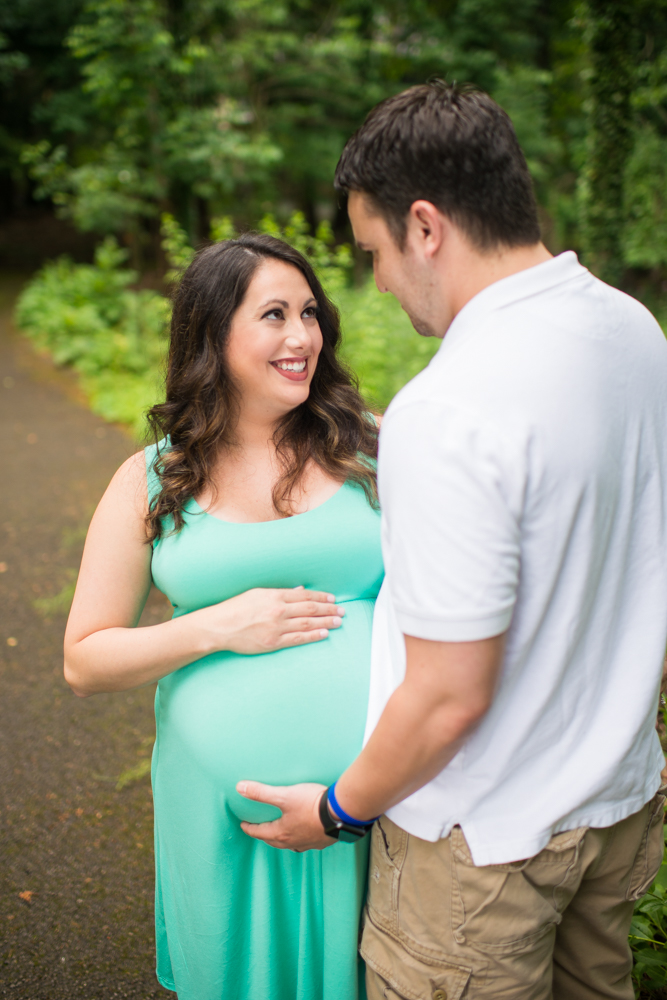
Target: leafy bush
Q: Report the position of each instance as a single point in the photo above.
(379, 342)
(87, 317)
(645, 241)
(648, 936)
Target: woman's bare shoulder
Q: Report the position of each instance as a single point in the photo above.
(129, 485)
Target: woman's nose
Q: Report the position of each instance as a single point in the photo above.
(297, 335)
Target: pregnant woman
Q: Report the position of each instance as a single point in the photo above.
(256, 514)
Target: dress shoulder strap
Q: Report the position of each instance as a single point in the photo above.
(152, 453)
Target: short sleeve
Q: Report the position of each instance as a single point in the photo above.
(448, 491)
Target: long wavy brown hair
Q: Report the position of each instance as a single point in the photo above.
(332, 427)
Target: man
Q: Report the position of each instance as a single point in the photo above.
(519, 635)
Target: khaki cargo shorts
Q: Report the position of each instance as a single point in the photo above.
(438, 927)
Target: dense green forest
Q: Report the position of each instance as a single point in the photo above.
(159, 124)
(115, 111)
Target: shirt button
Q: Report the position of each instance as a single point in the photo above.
(440, 995)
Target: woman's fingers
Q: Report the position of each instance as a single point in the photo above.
(311, 609)
(308, 624)
(301, 594)
(301, 638)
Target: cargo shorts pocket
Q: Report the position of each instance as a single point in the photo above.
(507, 908)
(388, 848)
(651, 850)
(404, 975)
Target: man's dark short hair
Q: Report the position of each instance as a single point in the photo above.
(452, 146)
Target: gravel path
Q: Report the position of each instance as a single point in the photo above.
(76, 859)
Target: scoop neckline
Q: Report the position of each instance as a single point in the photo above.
(275, 520)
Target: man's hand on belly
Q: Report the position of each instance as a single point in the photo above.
(299, 828)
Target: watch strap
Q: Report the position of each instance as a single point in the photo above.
(336, 828)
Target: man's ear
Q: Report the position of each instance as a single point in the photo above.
(426, 228)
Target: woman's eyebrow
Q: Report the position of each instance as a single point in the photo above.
(285, 305)
(280, 302)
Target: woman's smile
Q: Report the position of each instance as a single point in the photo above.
(295, 369)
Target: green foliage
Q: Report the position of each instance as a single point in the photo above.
(331, 262)
(176, 247)
(163, 125)
(10, 62)
(645, 242)
(87, 317)
(648, 935)
(379, 342)
(184, 107)
(59, 603)
(614, 46)
(122, 110)
(140, 770)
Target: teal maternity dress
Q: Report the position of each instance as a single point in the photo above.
(236, 919)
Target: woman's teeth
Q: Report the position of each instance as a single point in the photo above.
(289, 366)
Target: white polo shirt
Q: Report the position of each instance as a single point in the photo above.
(523, 482)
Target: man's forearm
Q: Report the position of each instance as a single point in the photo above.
(406, 750)
(422, 728)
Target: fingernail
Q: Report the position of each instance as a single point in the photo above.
(331, 598)
(300, 587)
(340, 611)
(323, 633)
(337, 622)
(241, 787)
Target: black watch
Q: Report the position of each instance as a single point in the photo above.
(336, 828)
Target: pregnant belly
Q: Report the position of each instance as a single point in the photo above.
(280, 718)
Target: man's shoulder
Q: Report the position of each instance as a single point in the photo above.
(513, 359)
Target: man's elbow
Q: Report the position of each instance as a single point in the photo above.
(460, 719)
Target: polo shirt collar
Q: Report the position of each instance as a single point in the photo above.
(522, 285)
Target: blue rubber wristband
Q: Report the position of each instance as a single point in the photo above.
(331, 796)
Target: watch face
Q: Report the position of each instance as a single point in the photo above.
(351, 837)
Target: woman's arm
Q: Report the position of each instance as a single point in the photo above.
(105, 651)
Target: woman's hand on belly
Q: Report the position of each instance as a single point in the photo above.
(263, 620)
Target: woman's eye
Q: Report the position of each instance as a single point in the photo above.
(274, 314)
(310, 312)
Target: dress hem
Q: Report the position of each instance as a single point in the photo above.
(163, 982)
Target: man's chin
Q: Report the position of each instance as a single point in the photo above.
(423, 329)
